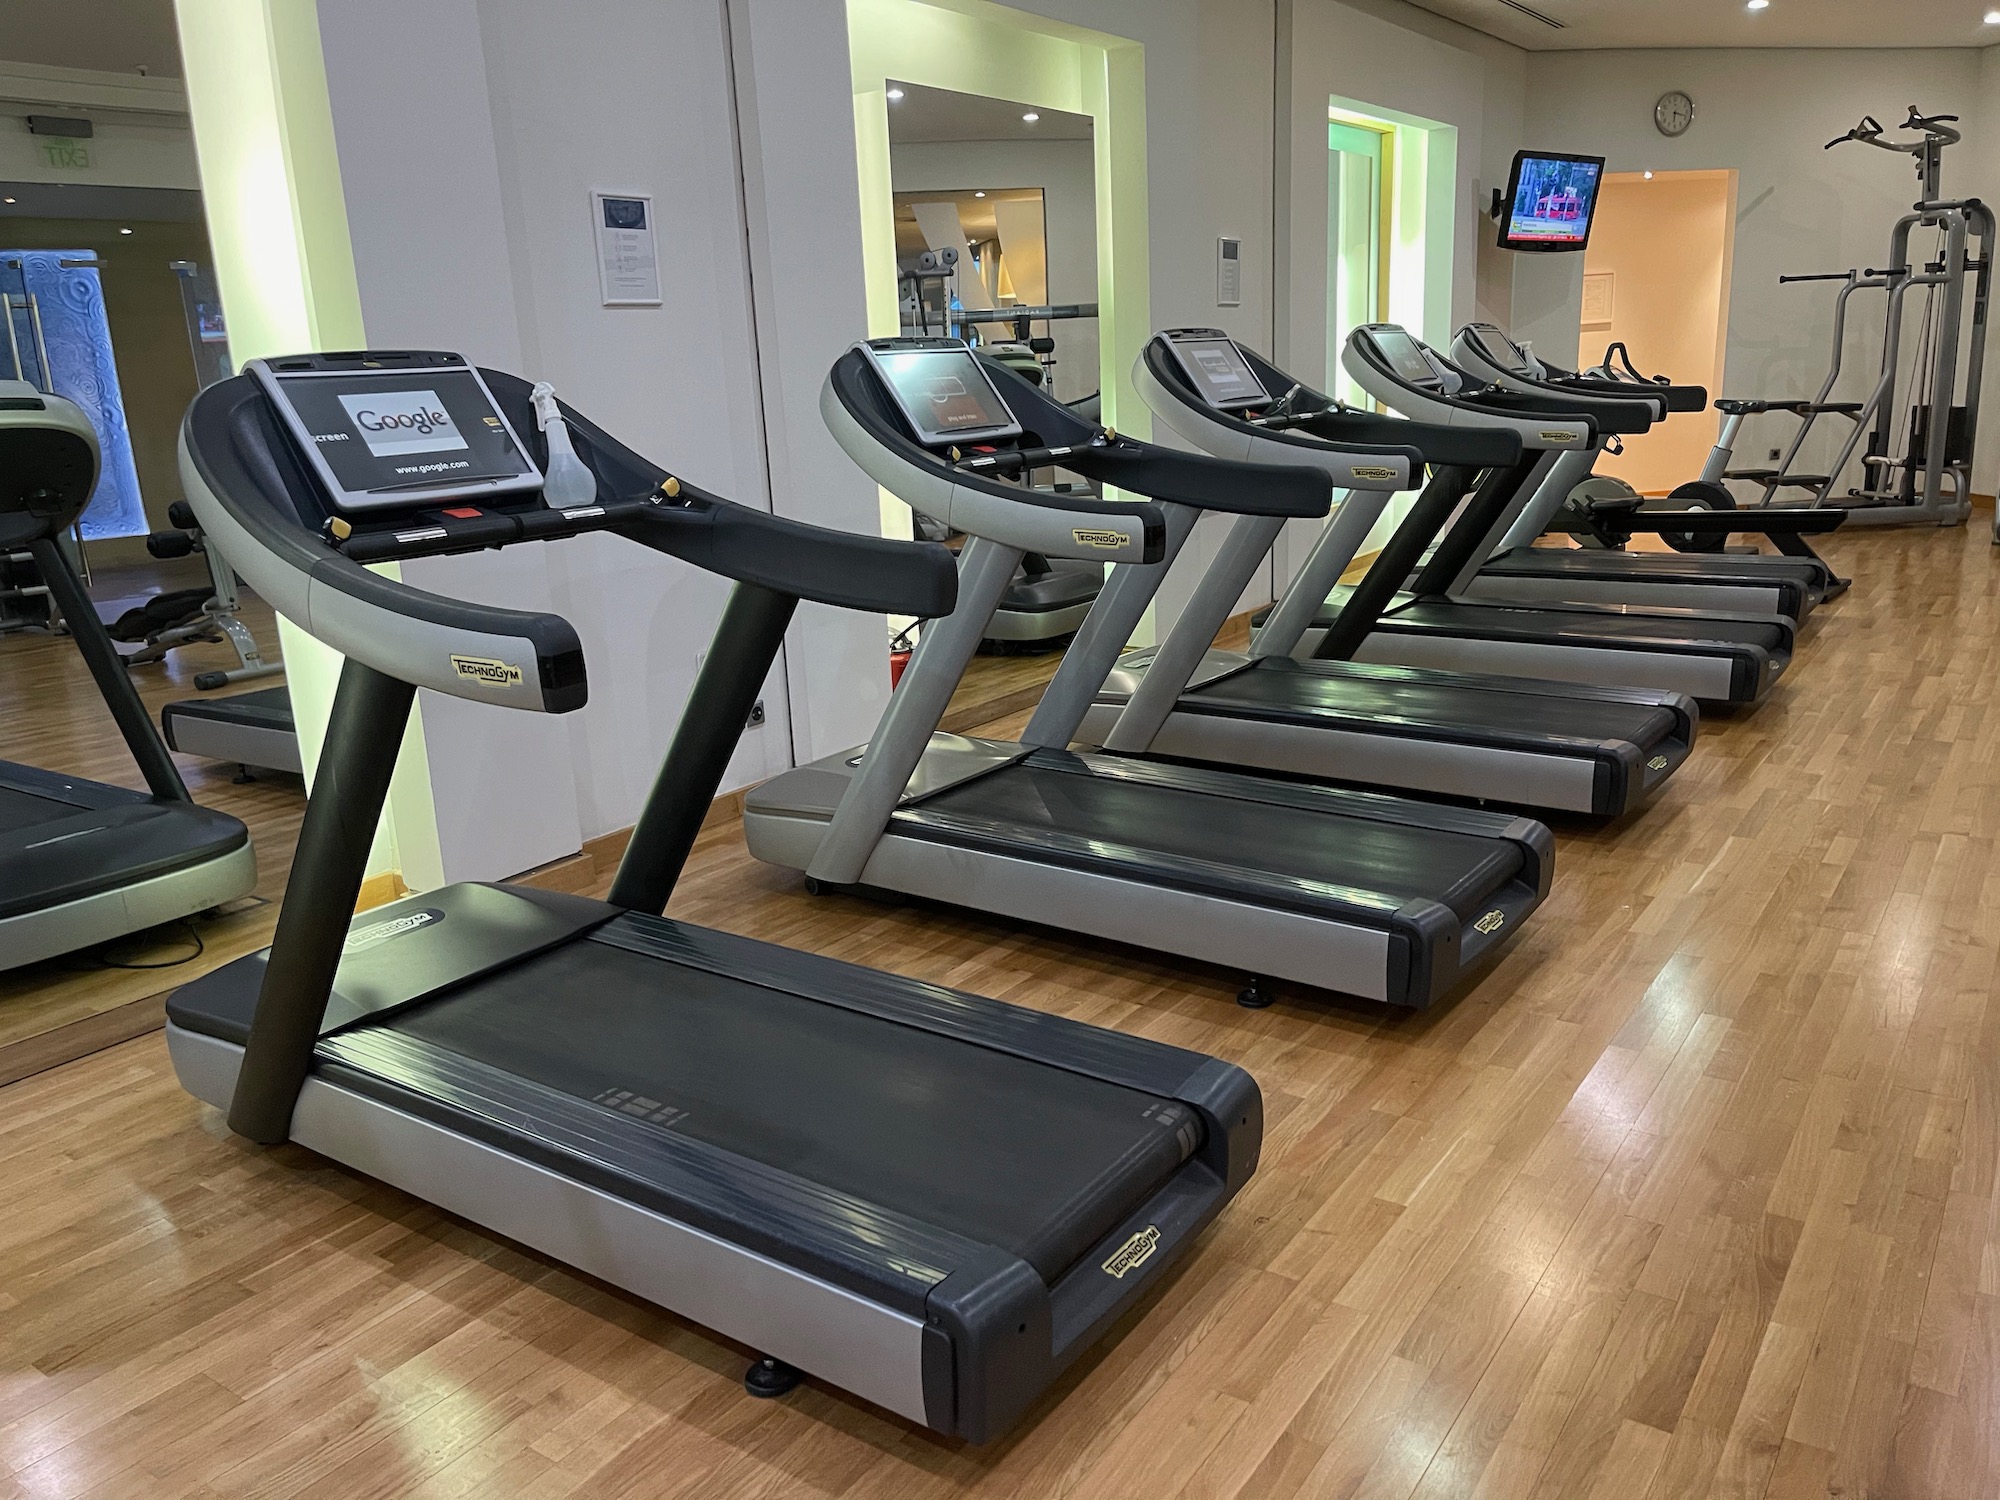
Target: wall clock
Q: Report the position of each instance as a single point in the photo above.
(1674, 113)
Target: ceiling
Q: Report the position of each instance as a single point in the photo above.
(1726, 23)
(975, 213)
(112, 36)
(926, 116)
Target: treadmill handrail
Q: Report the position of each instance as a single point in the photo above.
(1464, 408)
(1073, 525)
(232, 445)
(1352, 446)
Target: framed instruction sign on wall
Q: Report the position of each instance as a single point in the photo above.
(628, 261)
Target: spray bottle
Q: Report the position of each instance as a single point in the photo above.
(567, 481)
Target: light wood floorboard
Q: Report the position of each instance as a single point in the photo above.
(1696, 1193)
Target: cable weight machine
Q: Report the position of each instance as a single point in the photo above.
(1917, 460)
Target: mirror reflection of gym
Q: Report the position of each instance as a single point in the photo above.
(996, 243)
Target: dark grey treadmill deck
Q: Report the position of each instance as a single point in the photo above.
(1406, 700)
(1608, 625)
(1007, 1151)
(1262, 842)
(64, 839)
(268, 708)
(1596, 562)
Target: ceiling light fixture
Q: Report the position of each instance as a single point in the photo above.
(124, 231)
(10, 200)
(1992, 18)
(1756, 4)
(980, 194)
(1030, 117)
(1649, 177)
(894, 95)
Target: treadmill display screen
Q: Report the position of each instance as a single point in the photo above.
(1405, 358)
(387, 438)
(1219, 372)
(943, 392)
(1502, 351)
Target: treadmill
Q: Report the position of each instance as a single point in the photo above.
(1520, 571)
(1343, 890)
(81, 862)
(932, 1200)
(1419, 616)
(1545, 745)
(252, 729)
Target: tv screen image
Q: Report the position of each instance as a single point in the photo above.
(1552, 202)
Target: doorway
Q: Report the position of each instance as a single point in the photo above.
(1656, 279)
(1359, 203)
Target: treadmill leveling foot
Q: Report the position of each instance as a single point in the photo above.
(1256, 995)
(771, 1377)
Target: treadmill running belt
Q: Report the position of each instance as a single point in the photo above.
(1277, 683)
(1399, 861)
(20, 810)
(1592, 562)
(1605, 623)
(1033, 1159)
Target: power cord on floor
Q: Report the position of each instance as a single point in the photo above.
(194, 936)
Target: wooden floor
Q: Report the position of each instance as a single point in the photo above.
(1693, 1195)
(51, 715)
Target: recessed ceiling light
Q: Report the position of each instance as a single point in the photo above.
(1992, 18)
(1649, 177)
(124, 231)
(895, 94)
(980, 194)
(10, 200)
(1756, 4)
(1030, 117)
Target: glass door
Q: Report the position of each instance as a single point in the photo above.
(1358, 163)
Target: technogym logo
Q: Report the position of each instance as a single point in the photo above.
(487, 671)
(1493, 921)
(1106, 540)
(1134, 1253)
(376, 934)
(1372, 471)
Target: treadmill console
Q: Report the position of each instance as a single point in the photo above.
(1216, 368)
(941, 390)
(1502, 352)
(386, 430)
(1405, 358)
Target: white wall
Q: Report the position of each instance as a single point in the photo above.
(1766, 115)
(1066, 173)
(482, 242)
(1405, 61)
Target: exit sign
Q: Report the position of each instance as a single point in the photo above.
(66, 154)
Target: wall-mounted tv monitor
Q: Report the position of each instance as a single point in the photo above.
(1551, 200)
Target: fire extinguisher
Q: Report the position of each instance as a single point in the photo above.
(899, 655)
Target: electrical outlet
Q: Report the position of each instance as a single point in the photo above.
(756, 719)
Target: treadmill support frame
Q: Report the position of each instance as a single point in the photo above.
(739, 658)
(363, 738)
